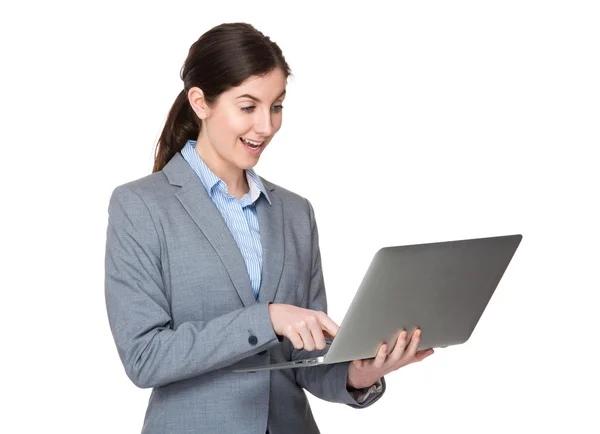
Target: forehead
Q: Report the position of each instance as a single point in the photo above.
(264, 87)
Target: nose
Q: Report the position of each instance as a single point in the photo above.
(263, 124)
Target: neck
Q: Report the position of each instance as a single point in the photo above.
(233, 177)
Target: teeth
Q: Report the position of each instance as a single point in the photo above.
(250, 142)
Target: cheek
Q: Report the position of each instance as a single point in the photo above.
(239, 124)
(277, 123)
(230, 126)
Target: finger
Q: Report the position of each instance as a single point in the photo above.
(419, 356)
(317, 333)
(412, 347)
(400, 346)
(328, 325)
(290, 333)
(305, 335)
(381, 356)
(422, 354)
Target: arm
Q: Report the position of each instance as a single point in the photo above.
(152, 352)
(328, 382)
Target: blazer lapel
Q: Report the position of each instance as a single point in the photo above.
(270, 223)
(196, 201)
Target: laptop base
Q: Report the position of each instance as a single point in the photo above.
(306, 363)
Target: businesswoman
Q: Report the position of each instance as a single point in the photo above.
(209, 266)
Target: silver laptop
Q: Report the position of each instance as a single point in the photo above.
(441, 288)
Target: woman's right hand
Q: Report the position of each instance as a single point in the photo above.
(304, 328)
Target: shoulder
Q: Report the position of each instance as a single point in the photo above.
(142, 201)
(289, 198)
(296, 208)
(149, 189)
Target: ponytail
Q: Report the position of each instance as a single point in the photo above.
(181, 125)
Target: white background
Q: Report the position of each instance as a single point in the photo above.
(425, 121)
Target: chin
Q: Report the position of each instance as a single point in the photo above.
(249, 161)
(245, 162)
(249, 165)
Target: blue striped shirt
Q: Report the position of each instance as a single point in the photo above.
(239, 214)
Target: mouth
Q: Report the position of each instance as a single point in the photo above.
(254, 147)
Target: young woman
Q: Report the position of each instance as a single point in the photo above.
(209, 265)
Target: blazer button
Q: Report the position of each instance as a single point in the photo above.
(252, 340)
(262, 353)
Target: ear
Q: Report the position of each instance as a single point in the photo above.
(198, 103)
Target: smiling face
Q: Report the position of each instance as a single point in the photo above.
(238, 127)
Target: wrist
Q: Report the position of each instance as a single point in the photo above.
(357, 380)
(270, 308)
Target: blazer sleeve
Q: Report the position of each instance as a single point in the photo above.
(328, 382)
(152, 352)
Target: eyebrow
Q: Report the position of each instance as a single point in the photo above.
(247, 95)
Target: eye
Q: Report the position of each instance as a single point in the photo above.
(250, 109)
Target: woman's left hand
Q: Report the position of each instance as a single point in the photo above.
(365, 373)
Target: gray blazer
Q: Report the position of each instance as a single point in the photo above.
(182, 312)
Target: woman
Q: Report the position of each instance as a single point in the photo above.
(209, 265)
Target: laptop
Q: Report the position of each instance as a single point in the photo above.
(441, 288)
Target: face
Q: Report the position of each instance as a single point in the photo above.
(238, 127)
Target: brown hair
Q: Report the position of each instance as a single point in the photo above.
(222, 58)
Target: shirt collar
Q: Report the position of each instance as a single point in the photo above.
(210, 180)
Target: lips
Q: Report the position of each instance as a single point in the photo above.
(252, 149)
(252, 143)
